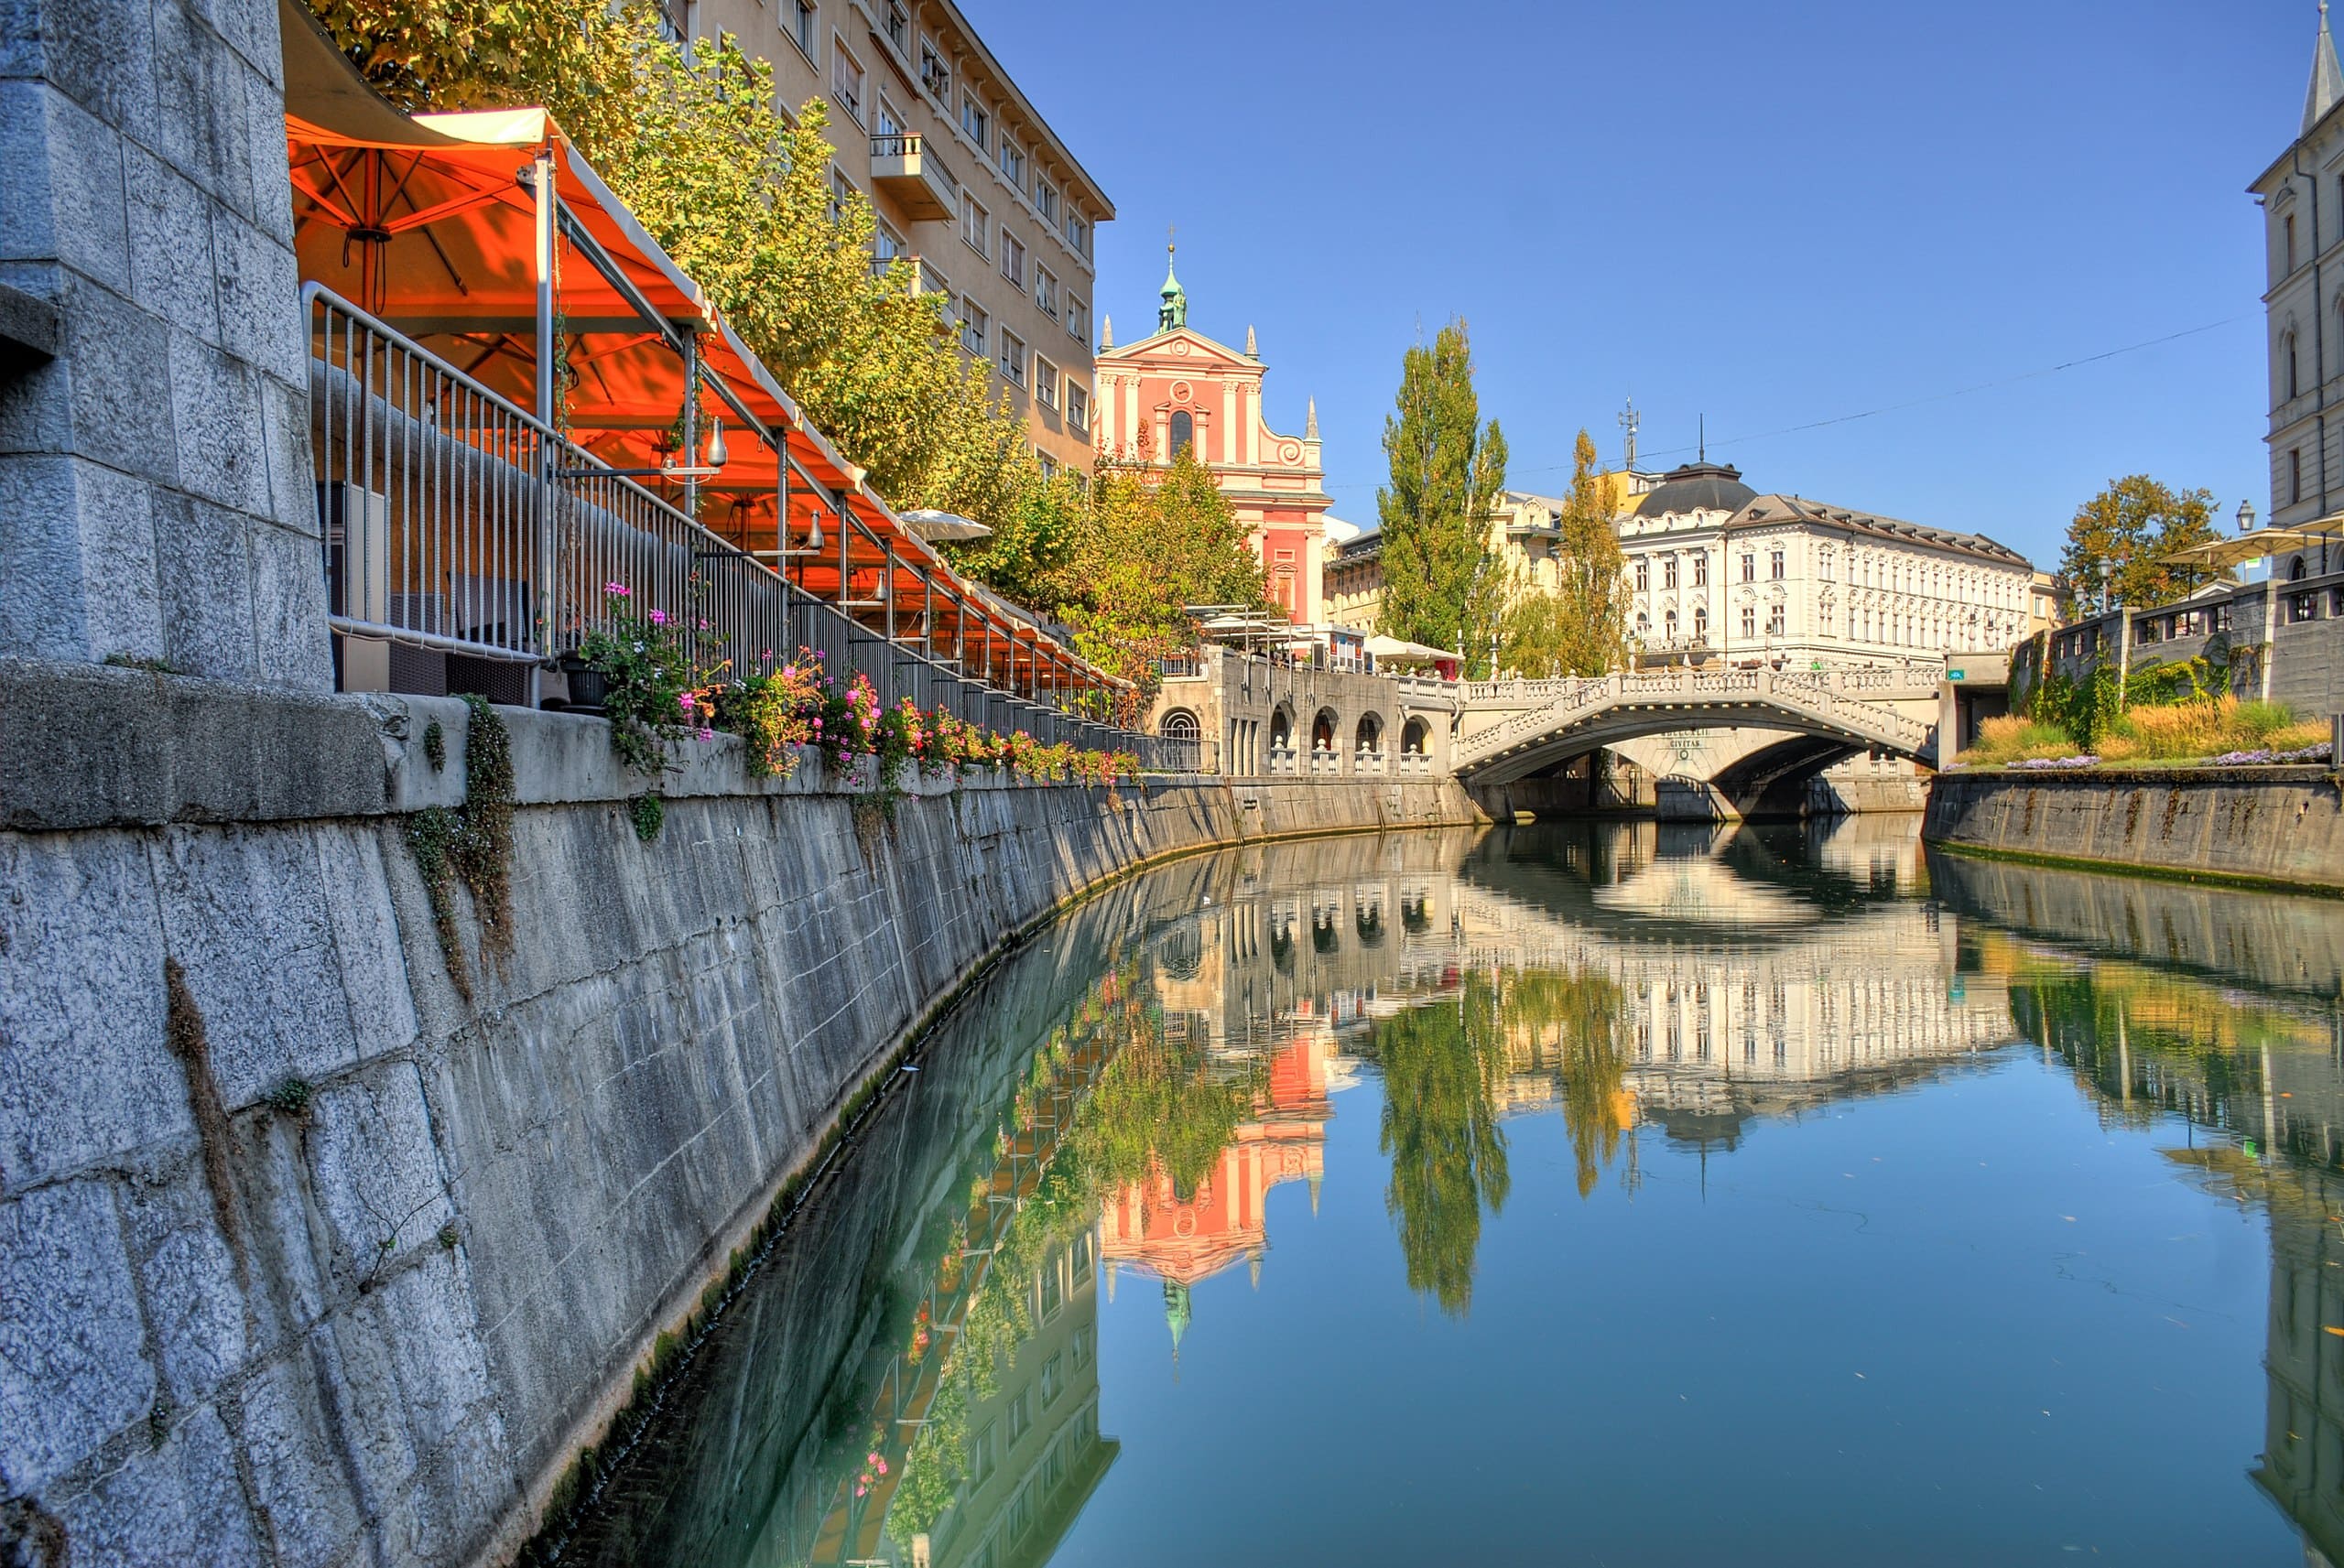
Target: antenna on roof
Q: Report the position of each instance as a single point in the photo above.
(1630, 421)
(1703, 450)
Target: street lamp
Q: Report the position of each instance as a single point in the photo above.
(2246, 516)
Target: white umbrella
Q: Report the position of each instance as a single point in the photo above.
(1382, 647)
(943, 528)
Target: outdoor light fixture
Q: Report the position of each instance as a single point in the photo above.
(716, 454)
(2246, 516)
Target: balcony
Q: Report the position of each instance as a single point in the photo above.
(913, 177)
(925, 278)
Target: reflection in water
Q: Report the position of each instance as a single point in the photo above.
(914, 1375)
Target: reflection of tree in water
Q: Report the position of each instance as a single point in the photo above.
(1160, 1106)
(1441, 1065)
(1574, 1019)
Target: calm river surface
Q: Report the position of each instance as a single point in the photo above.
(1592, 1195)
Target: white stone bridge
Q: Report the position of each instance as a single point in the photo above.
(1783, 720)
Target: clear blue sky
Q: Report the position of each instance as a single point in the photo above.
(1768, 212)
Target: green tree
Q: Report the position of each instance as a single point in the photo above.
(1441, 587)
(1577, 626)
(1440, 1126)
(2132, 528)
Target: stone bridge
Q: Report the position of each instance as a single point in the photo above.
(1799, 719)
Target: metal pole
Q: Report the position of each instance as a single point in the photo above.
(547, 200)
(690, 456)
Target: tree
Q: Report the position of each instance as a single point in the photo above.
(2133, 528)
(1441, 1068)
(1440, 584)
(1578, 626)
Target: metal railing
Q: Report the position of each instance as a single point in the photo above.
(909, 145)
(454, 520)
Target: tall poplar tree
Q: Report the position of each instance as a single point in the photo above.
(1578, 627)
(1441, 585)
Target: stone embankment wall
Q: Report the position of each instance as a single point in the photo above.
(307, 1258)
(2282, 826)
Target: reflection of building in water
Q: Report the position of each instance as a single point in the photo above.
(1183, 1239)
(1034, 1451)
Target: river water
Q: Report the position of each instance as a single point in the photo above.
(1582, 1194)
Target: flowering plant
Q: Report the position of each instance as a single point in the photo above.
(777, 713)
(656, 697)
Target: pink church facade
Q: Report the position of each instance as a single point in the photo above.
(1179, 387)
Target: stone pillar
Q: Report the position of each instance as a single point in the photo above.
(156, 494)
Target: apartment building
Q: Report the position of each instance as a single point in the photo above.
(970, 185)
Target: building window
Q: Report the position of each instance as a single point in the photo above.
(1045, 382)
(1823, 563)
(1012, 258)
(801, 24)
(1749, 620)
(1644, 575)
(1077, 320)
(1078, 234)
(1013, 164)
(899, 27)
(976, 226)
(1749, 567)
(974, 119)
(1701, 571)
(2289, 224)
(1774, 620)
(2294, 374)
(1701, 622)
(885, 245)
(1668, 625)
(1046, 292)
(1046, 200)
(934, 74)
(841, 193)
(975, 324)
(1774, 564)
(1669, 571)
(1184, 432)
(1077, 406)
(1013, 357)
(846, 79)
(2302, 607)
(1049, 464)
(2294, 476)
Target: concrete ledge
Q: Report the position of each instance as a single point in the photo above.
(2259, 826)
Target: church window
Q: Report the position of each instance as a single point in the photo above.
(1644, 575)
(1184, 432)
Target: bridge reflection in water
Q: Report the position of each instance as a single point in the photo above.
(913, 1375)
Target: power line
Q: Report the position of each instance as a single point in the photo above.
(1919, 402)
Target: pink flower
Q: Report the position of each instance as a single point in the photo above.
(686, 700)
(658, 618)
(706, 733)
(616, 589)
(860, 1490)
(883, 1466)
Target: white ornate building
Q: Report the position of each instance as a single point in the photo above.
(1720, 574)
(2301, 197)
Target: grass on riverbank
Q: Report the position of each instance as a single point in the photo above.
(2181, 732)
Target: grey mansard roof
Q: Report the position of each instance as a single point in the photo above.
(1697, 487)
(1764, 511)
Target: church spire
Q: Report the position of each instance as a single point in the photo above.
(1106, 333)
(1174, 311)
(1310, 424)
(2327, 80)
(1252, 351)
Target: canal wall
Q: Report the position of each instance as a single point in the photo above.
(2270, 826)
(332, 1222)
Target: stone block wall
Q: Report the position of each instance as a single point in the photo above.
(155, 498)
(305, 1257)
(2266, 826)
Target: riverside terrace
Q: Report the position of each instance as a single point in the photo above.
(475, 512)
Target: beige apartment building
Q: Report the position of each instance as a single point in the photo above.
(970, 183)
